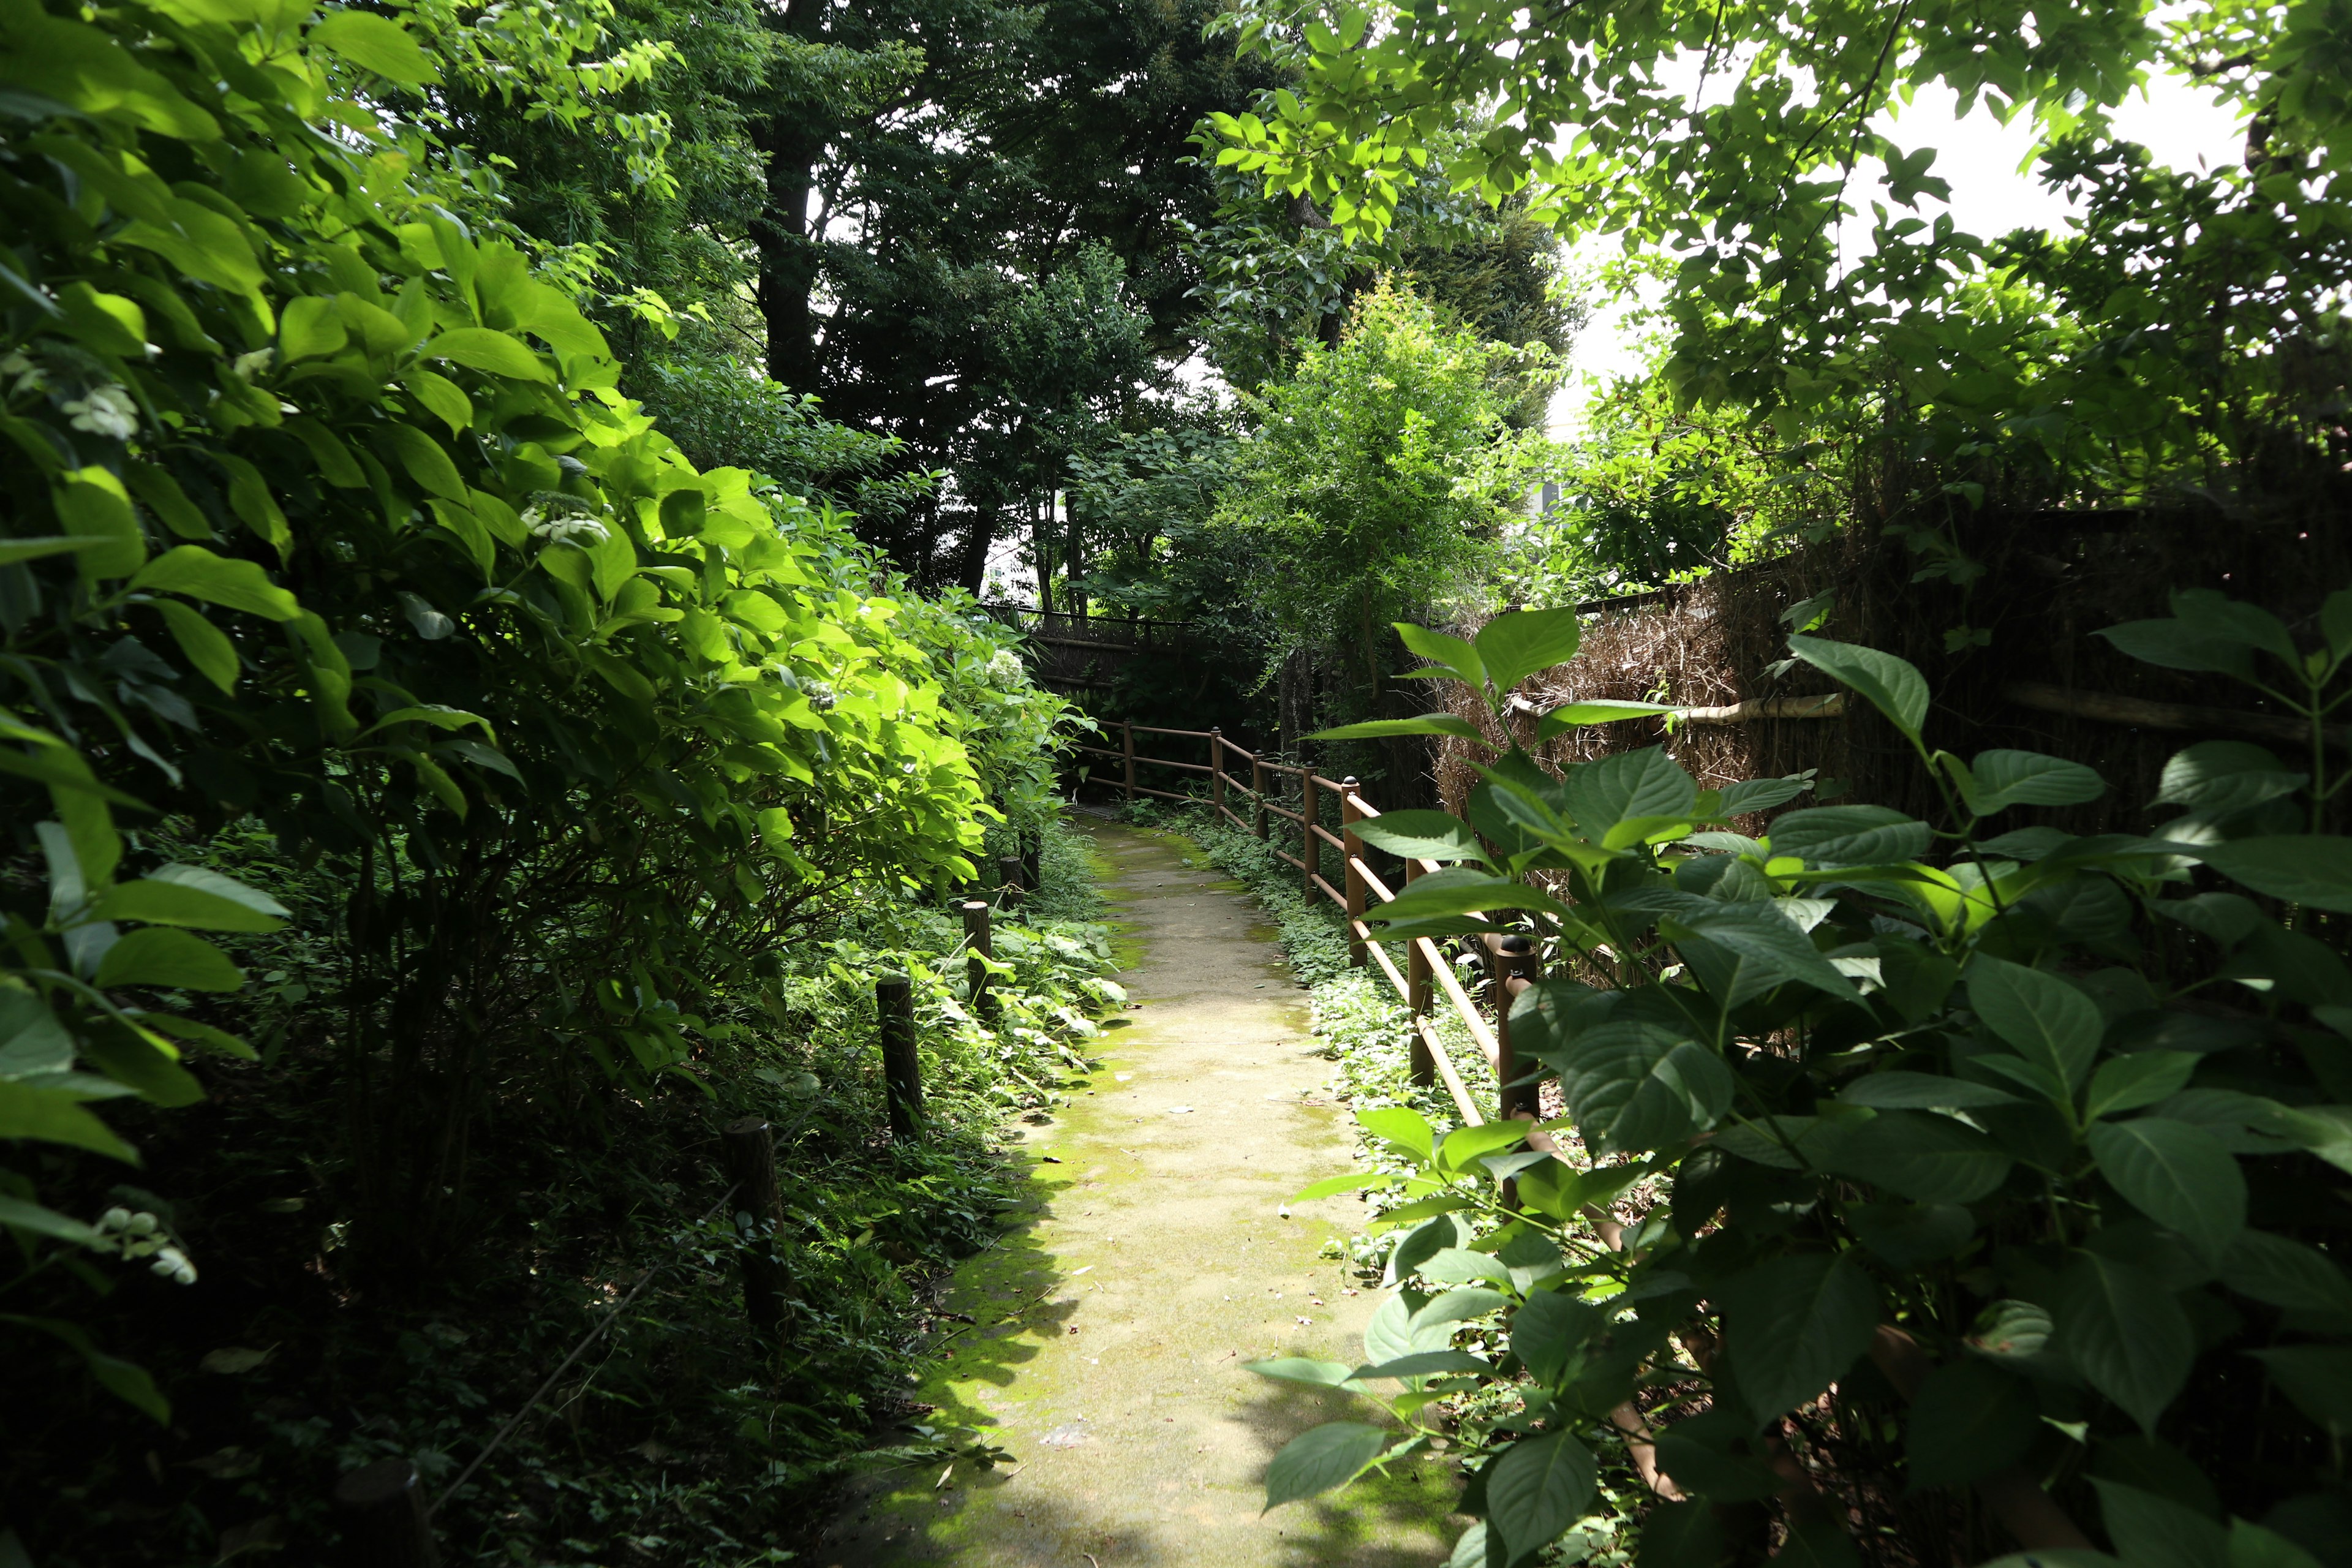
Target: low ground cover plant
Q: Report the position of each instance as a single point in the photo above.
(1991, 1159)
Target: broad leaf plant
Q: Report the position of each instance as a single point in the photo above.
(2052, 1118)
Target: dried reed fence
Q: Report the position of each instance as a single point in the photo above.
(2038, 679)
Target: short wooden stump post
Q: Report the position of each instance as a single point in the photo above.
(382, 1509)
(748, 1145)
(981, 946)
(902, 1069)
(1515, 959)
(1008, 877)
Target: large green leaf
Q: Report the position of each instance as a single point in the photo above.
(55, 1116)
(2286, 1273)
(1967, 1420)
(1421, 836)
(1925, 1158)
(2142, 1079)
(1894, 686)
(2151, 1531)
(1460, 889)
(1400, 1125)
(1549, 1329)
(2315, 869)
(2178, 1175)
(186, 901)
(1454, 656)
(2220, 777)
(1634, 1086)
(1921, 1091)
(486, 349)
(1795, 1324)
(157, 958)
(377, 44)
(1515, 646)
(1537, 1489)
(1645, 783)
(1771, 949)
(1569, 715)
(2123, 1331)
(193, 570)
(1321, 1458)
(1995, 781)
(2050, 1024)
(2318, 1378)
(2177, 645)
(1839, 836)
(1384, 729)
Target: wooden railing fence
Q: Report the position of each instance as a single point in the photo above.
(1512, 962)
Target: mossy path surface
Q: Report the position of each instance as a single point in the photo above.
(1110, 1327)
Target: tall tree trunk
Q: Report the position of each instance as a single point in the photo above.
(1041, 540)
(973, 569)
(790, 143)
(787, 255)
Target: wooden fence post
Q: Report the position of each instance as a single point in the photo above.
(978, 942)
(383, 1520)
(1126, 731)
(1310, 856)
(1513, 957)
(902, 1071)
(1417, 986)
(1258, 795)
(748, 1150)
(1352, 850)
(1008, 877)
(1216, 774)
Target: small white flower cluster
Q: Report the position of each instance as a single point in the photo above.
(1004, 669)
(245, 367)
(141, 1236)
(820, 694)
(107, 412)
(28, 378)
(583, 532)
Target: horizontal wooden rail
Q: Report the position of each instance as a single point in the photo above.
(1144, 762)
(1188, 734)
(1333, 839)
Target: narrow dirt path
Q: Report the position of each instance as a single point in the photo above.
(1156, 1263)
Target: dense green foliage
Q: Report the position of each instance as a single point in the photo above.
(351, 613)
(1743, 187)
(2056, 1111)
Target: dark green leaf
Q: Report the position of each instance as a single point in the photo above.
(1537, 1489)
(1421, 836)
(1968, 1420)
(1892, 685)
(1322, 1457)
(2318, 1378)
(1634, 1086)
(1921, 1091)
(1908, 1234)
(2315, 869)
(2218, 777)
(2178, 1175)
(157, 958)
(1795, 1324)
(1549, 1329)
(1998, 780)
(2157, 1531)
(1647, 782)
(2123, 1331)
(2286, 1273)
(1850, 835)
(2176, 644)
(2128, 1083)
(1382, 729)
(1925, 1158)
(2050, 1024)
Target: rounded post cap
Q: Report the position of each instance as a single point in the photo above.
(744, 1126)
(892, 981)
(379, 1482)
(1516, 946)
(1348, 782)
(973, 906)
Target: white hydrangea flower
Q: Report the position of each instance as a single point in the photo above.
(107, 412)
(28, 377)
(1004, 669)
(583, 532)
(245, 367)
(820, 694)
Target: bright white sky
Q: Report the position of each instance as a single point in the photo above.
(2177, 121)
